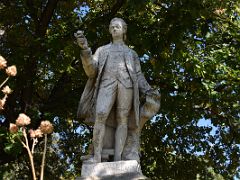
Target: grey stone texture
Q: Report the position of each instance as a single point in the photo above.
(118, 101)
(129, 170)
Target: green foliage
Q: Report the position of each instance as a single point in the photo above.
(13, 146)
(190, 50)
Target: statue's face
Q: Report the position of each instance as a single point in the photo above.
(116, 29)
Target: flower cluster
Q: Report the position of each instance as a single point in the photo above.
(35, 133)
(10, 71)
(23, 120)
(45, 128)
(7, 90)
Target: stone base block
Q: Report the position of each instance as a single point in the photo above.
(120, 170)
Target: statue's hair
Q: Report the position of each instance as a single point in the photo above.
(124, 24)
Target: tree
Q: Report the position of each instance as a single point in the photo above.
(188, 49)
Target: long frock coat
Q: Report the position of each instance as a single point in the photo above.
(94, 67)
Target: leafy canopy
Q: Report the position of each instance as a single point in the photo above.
(189, 49)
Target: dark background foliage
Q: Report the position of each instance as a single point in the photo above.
(188, 49)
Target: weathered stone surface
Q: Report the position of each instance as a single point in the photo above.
(111, 96)
(111, 101)
(110, 168)
(129, 170)
(126, 176)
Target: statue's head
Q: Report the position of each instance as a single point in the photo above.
(118, 27)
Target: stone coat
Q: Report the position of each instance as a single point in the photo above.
(94, 67)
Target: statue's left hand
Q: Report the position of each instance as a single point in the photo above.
(152, 91)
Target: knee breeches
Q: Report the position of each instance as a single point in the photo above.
(116, 94)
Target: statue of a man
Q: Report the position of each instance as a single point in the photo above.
(115, 81)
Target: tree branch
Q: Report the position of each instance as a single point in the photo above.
(33, 12)
(46, 16)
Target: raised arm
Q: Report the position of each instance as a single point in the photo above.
(89, 61)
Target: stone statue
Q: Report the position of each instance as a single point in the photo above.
(111, 98)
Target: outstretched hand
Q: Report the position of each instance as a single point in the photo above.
(81, 39)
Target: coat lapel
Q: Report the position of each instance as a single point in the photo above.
(130, 64)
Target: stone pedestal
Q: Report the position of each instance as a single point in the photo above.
(119, 170)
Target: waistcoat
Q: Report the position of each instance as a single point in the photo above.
(115, 68)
